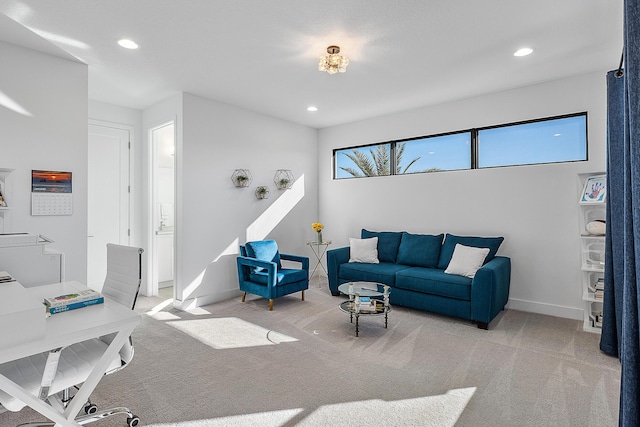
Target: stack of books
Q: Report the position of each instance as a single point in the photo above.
(599, 289)
(367, 305)
(72, 301)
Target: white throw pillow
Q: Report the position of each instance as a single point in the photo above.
(466, 260)
(363, 250)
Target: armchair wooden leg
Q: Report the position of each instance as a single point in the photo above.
(244, 295)
(302, 295)
(270, 305)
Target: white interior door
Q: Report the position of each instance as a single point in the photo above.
(108, 198)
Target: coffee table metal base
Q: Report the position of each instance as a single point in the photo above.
(349, 307)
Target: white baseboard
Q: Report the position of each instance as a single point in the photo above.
(514, 304)
(192, 303)
(548, 309)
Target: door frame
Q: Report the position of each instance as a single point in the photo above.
(152, 243)
(132, 188)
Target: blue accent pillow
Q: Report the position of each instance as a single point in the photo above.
(388, 243)
(420, 250)
(450, 241)
(264, 250)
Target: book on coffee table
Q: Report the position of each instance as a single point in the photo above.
(367, 304)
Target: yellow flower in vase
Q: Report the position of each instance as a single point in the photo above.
(317, 227)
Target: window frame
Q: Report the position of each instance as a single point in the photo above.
(473, 146)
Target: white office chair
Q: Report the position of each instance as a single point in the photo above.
(124, 274)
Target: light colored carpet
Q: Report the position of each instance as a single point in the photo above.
(237, 364)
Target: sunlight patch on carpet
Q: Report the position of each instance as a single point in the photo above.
(164, 304)
(229, 332)
(199, 311)
(264, 419)
(164, 316)
(430, 411)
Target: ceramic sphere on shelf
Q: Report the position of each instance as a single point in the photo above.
(597, 227)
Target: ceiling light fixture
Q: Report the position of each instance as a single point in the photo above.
(334, 62)
(128, 44)
(312, 108)
(523, 52)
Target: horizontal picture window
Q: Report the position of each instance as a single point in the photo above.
(547, 141)
(436, 153)
(373, 160)
(550, 140)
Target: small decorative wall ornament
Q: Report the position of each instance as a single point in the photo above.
(262, 192)
(597, 227)
(283, 179)
(241, 178)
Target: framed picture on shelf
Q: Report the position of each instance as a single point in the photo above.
(595, 190)
(3, 202)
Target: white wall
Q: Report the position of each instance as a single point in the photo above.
(53, 136)
(533, 207)
(216, 216)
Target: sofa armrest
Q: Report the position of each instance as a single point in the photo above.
(335, 257)
(490, 289)
(297, 258)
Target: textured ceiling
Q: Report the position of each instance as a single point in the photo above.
(262, 55)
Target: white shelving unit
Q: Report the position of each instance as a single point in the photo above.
(4, 210)
(592, 248)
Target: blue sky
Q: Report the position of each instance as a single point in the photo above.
(538, 142)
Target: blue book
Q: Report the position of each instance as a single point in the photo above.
(73, 306)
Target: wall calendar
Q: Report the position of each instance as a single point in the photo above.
(51, 193)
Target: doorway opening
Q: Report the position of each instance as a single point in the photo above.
(163, 209)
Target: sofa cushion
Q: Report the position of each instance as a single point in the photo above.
(385, 272)
(363, 250)
(419, 250)
(264, 250)
(450, 242)
(466, 260)
(388, 243)
(283, 276)
(434, 282)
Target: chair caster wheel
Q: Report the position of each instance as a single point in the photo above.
(133, 421)
(90, 409)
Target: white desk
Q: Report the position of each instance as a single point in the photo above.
(63, 329)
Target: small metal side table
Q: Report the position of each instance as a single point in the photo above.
(319, 249)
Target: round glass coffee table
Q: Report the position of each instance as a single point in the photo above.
(365, 298)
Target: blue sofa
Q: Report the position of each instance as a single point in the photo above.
(413, 266)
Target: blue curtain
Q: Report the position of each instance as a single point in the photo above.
(621, 327)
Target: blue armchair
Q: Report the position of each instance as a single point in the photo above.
(260, 271)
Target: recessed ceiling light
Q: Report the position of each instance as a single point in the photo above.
(523, 52)
(128, 44)
(312, 108)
